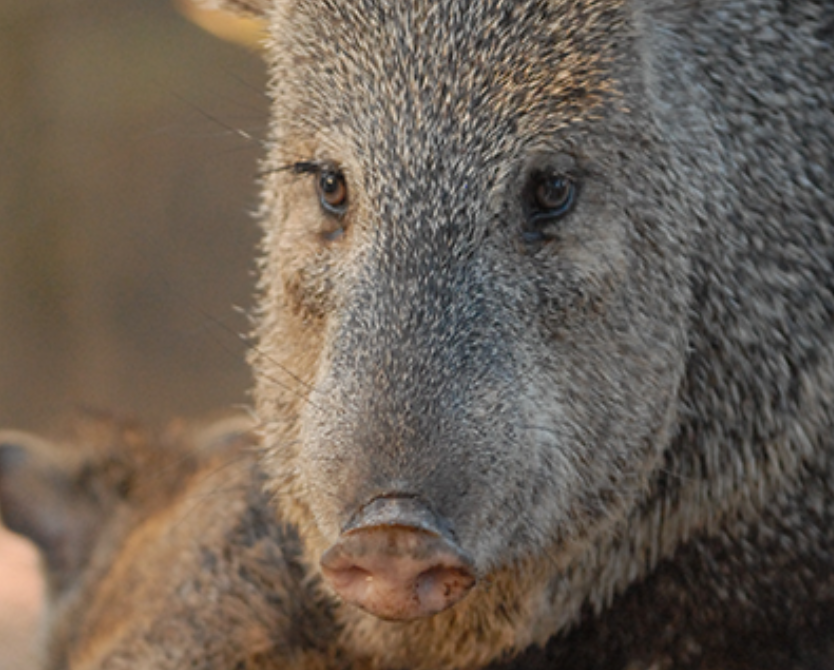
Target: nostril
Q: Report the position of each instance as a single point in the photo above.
(440, 587)
(345, 577)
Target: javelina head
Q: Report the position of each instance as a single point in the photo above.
(474, 286)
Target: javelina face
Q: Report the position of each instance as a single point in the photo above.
(471, 305)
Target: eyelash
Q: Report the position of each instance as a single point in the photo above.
(298, 168)
(306, 167)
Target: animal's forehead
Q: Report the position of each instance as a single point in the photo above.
(454, 66)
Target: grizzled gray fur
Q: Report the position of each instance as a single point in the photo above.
(563, 272)
(546, 336)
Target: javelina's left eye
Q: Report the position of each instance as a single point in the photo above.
(333, 192)
(548, 197)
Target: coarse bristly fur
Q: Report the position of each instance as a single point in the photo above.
(628, 419)
(160, 550)
(628, 422)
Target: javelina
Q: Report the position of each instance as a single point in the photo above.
(159, 551)
(546, 335)
(546, 352)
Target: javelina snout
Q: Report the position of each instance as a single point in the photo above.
(394, 560)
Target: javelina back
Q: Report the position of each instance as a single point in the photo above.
(547, 323)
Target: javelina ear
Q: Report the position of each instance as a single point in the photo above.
(247, 7)
(40, 498)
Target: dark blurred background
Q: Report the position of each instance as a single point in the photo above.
(126, 237)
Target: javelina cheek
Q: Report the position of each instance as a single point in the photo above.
(309, 291)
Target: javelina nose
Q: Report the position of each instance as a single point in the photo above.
(394, 561)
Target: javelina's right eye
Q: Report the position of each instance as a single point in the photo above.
(547, 198)
(333, 192)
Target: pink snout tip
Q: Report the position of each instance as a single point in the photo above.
(398, 572)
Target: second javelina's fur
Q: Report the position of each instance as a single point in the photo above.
(639, 393)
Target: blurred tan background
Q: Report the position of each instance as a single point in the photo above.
(126, 237)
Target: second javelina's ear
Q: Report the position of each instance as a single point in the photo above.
(257, 8)
(41, 500)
